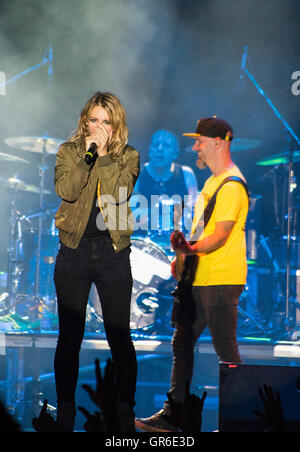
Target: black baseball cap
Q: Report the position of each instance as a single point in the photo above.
(213, 128)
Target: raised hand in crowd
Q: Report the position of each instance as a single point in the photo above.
(104, 397)
(45, 422)
(272, 416)
(7, 423)
(94, 422)
(188, 415)
(193, 408)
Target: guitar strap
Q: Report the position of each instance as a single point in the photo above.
(212, 202)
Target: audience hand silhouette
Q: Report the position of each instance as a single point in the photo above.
(272, 415)
(94, 422)
(188, 415)
(45, 422)
(105, 396)
(7, 423)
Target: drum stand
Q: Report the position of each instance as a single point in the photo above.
(15, 259)
(15, 267)
(43, 169)
(291, 186)
(290, 209)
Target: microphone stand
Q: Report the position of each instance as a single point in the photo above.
(290, 209)
(291, 187)
(47, 59)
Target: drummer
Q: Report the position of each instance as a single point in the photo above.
(161, 181)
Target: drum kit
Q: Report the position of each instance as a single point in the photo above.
(29, 292)
(29, 302)
(272, 259)
(282, 247)
(153, 284)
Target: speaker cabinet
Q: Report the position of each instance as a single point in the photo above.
(239, 396)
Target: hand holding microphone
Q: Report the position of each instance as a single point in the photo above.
(96, 142)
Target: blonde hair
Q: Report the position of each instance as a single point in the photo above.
(117, 116)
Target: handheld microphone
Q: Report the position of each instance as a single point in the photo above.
(89, 155)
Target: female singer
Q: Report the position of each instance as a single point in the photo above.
(94, 230)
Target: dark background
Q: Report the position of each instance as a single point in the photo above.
(170, 63)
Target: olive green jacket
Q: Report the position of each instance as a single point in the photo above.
(76, 183)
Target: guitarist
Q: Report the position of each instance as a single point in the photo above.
(219, 247)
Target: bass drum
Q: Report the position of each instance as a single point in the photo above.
(151, 301)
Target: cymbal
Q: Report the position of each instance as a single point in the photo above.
(11, 158)
(244, 144)
(35, 144)
(238, 145)
(19, 185)
(278, 159)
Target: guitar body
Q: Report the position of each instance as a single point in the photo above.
(185, 272)
(183, 291)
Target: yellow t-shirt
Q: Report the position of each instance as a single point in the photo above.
(228, 264)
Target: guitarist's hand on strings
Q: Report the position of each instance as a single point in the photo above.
(204, 246)
(179, 243)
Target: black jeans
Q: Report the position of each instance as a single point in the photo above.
(212, 306)
(94, 261)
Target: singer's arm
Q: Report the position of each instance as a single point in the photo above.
(70, 176)
(116, 178)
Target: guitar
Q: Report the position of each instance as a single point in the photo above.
(185, 270)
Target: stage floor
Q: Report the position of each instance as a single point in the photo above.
(264, 348)
(27, 378)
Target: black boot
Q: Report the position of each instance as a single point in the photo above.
(66, 413)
